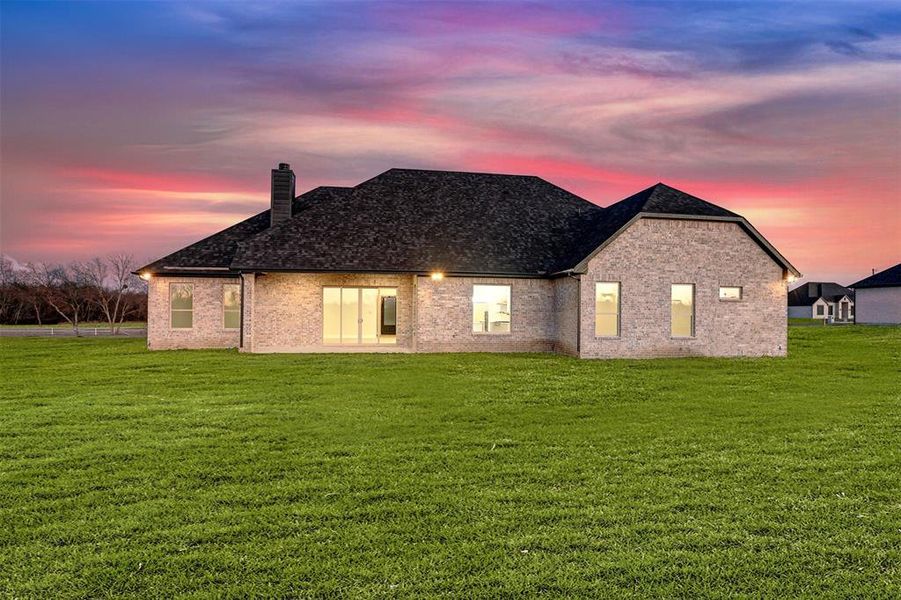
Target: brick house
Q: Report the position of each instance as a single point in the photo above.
(436, 261)
(824, 300)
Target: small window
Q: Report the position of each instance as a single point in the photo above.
(682, 310)
(491, 309)
(730, 293)
(820, 310)
(231, 305)
(606, 309)
(181, 304)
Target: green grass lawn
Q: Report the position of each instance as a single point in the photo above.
(214, 474)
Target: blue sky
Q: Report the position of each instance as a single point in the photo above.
(142, 126)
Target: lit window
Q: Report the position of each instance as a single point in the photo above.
(181, 304)
(231, 305)
(682, 310)
(491, 309)
(354, 315)
(730, 293)
(606, 309)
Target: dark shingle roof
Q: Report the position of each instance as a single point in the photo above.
(808, 293)
(218, 250)
(410, 220)
(663, 199)
(891, 277)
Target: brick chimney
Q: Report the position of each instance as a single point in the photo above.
(282, 194)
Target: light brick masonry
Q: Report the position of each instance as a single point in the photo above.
(282, 312)
(208, 330)
(651, 255)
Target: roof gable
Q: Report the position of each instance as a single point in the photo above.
(809, 292)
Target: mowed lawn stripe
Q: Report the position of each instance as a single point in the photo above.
(210, 473)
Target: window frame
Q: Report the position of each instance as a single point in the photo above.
(821, 310)
(187, 310)
(472, 308)
(741, 293)
(694, 317)
(619, 310)
(359, 290)
(225, 311)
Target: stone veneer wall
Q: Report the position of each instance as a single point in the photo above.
(284, 310)
(651, 255)
(444, 316)
(208, 329)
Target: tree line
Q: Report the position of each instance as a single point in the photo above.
(100, 289)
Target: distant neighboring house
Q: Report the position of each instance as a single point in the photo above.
(879, 297)
(821, 300)
(439, 261)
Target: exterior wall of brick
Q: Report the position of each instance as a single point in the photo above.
(247, 311)
(285, 311)
(651, 255)
(444, 316)
(566, 308)
(878, 305)
(208, 329)
(282, 312)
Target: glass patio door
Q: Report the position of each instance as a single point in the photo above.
(358, 315)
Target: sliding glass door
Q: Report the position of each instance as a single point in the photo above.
(358, 315)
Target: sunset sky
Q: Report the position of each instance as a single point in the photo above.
(142, 127)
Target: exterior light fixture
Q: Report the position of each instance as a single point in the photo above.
(146, 276)
(790, 278)
(437, 276)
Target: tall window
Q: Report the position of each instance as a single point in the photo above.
(181, 305)
(491, 309)
(606, 309)
(231, 305)
(355, 315)
(819, 310)
(682, 310)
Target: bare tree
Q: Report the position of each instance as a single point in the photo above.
(63, 288)
(9, 297)
(109, 281)
(30, 291)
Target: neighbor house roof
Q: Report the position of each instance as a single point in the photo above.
(808, 293)
(412, 220)
(891, 277)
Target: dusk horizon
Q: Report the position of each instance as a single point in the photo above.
(143, 127)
